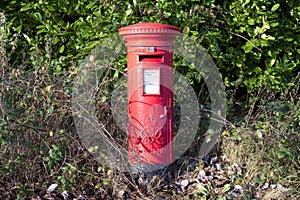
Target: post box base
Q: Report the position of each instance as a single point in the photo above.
(145, 168)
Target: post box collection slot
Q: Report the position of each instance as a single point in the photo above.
(151, 58)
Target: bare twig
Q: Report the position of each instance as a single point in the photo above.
(238, 35)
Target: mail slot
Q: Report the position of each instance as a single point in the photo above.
(151, 58)
(150, 96)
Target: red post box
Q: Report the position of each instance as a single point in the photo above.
(150, 96)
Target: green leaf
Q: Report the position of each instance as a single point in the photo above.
(64, 180)
(38, 16)
(105, 181)
(281, 154)
(116, 74)
(251, 21)
(18, 29)
(134, 3)
(248, 47)
(195, 33)
(93, 149)
(275, 7)
(41, 31)
(20, 195)
(226, 188)
(42, 26)
(55, 147)
(90, 5)
(92, 44)
(128, 12)
(246, 2)
(61, 49)
(202, 188)
(27, 7)
(257, 180)
(272, 62)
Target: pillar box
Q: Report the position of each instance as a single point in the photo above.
(150, 96)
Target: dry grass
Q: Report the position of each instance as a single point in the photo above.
(33, 156)
(267, 146)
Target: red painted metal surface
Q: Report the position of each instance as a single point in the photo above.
(150, 96)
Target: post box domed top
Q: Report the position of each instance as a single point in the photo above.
(148, 27)
(149, 34)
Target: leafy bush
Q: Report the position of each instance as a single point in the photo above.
(254, 43)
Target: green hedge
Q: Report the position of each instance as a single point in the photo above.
(254, 43)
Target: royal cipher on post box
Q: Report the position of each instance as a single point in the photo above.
(150, 96)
